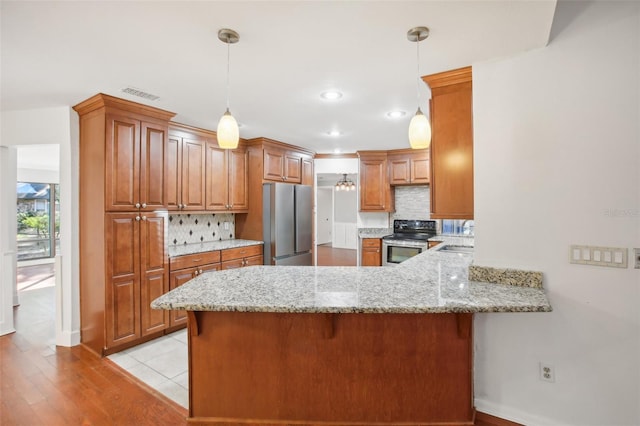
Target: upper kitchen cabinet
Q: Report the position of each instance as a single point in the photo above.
(135, 155)
(376, 195)
(227, 184)
(282, 165)
(451, 144)
(186, 169)
(408, 167)
(307, 170)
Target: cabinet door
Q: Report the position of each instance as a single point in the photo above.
(254, 260)
(292, 168)
(273, 164)
(153, 162)
(173, 173)
(123, 278)
(399, 171)
(238, 181)
(452, 181)
(176, 279)
(307, 171)
(420, 169)
(371, 257)
(217, 186)
(122, 168)
(374, 189)
(193, 174)
(153, 232)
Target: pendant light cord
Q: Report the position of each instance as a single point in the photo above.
(418, 69)
(228, 56)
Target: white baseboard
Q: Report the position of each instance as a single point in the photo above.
(68, 339)
(513, 414)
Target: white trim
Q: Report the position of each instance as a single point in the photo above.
(514, 415)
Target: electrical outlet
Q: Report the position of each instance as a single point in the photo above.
(547, 373)
(636, 256)
(226, 226)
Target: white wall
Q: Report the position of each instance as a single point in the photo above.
(42, 127)
(8, 292)
(557, 162)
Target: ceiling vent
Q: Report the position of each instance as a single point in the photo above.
(139, 93)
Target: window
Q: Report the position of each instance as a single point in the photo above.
(38, 236)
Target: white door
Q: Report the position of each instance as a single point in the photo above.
(325, 215)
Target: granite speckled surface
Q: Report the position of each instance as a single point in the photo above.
(183, 249)
(374, 232)
(505, 276)
(431, 282)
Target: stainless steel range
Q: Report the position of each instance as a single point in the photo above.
(409, 238)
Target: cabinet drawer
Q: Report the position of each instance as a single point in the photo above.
(372, 242)
(240, 252)
(196, 259)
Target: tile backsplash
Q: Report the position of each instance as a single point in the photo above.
(200, 228)
(412, 202)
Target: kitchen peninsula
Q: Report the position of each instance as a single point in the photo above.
(338, 345)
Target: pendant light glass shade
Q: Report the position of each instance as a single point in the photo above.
(228, 133)
(419, 131)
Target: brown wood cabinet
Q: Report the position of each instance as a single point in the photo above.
(186, 171)
(241, 257)
(308, 178)
(371, 252)
(270, 161)
(376, 195)
(135, 160)
(282, 165)
(123, 263)
(408, 167)
(227, 186)
(185, 268)
(451, 144)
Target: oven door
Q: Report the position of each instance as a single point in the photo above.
(395, 252)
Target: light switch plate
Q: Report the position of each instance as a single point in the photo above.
(614, 257)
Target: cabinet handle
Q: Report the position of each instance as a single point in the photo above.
(144, 218)
(377, 251)
(226, 205)
(137, 218)
(137, 205)
(197, 260)
(230, 206)
(144, 205)
(200, 270)
(195, 273)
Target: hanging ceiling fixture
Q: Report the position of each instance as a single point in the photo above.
(228, 133)
(419, 127)
(345, 184)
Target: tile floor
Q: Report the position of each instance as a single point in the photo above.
(161, 363)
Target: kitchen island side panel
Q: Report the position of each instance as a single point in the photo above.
(248, 368)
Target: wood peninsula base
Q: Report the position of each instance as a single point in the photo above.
(259, 368)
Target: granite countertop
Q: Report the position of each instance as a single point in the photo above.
(183, 249)
(374, 232)
(431, 282)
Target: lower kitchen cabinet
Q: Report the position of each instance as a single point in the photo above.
(136, 273)
(183, 269)
(241, 257)
(371, 252)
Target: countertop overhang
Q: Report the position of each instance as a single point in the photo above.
(431, 282)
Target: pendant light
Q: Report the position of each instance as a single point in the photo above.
(345, 184)
(228, 133)
(419, 127)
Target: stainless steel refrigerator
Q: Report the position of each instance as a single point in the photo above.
(286, 223)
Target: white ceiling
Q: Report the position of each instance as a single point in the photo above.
(60, 53)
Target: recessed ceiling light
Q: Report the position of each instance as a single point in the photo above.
(336, 151)
(396, 114)
(334, 133)
(331, 95)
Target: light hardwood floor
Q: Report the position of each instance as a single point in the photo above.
(329, 256)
